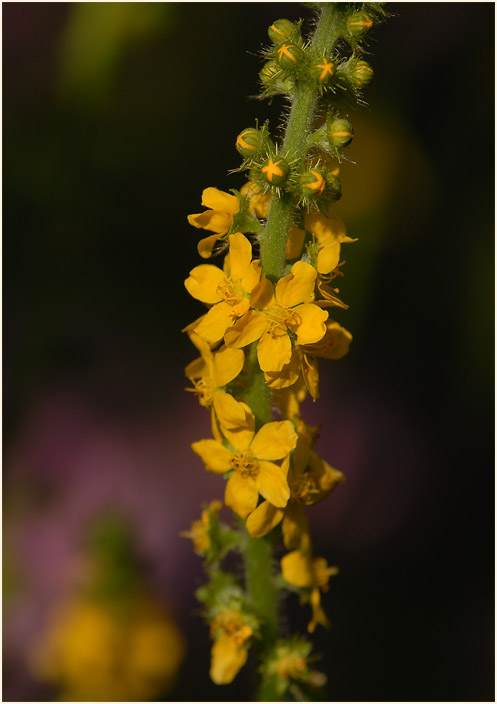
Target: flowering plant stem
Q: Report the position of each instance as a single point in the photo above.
(273, 242)
(258, 554)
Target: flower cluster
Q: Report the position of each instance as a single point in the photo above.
(267, 322)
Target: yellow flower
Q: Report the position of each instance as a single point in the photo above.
(303, 365)
(330, 232)
(229, 295)
(310, 479)
(229, 650)
(304, 571)
(219, 218)
(199, 531)
(334, 345)
(99, 651)
(258, 201)
(289, 309)
(251, 457)
(212, 371)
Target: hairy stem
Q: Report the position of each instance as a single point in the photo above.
(273, 243)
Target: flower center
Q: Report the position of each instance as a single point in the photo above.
(232, 625)
(245, 463)
(282, 318)
(304, 489)
(202, 391)
(230, 289)
(292, 666)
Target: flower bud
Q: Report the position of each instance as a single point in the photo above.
(340, 133)
(334, 187)
(312, 183)
(289, 56)
(362, 74)
(323, 71)
(359, 24)
(269, 72)
(275, 171)
(249, 141)
(281, 31)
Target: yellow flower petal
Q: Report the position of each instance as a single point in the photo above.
(287, 376)
(263, 294)
(295, 242)
(328, 258)
(240, 254)
(216, 321)
(272, 484)
(203, 283)
(206, 245)
(246, 330)
(251, 277)
(263, 519)
(310, 374)
(219, 200)
(230, 413)
(215, 456)
(295, 527)
(227, 658)
(274, 349)
(274, 440)
(311, 326)
(195, 369)
(296, 569)
(318, 615)
(298, 286)
(334, 345)
(211, 220)
(241, 494)
(227, 365)
(327, 228)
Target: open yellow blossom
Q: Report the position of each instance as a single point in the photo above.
(229, 650)
(304, 571)
(252, 457)
(275, 313)
(219, 218)
(229, 295)
(310, 479)
(199, 531)
(303, 364)
(212, 371)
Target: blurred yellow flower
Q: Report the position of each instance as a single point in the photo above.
(229, 650)
(109, 651)
(199, 531)
(302, 570)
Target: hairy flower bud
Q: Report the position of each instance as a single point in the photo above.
(362, 74)
(323, 71)
(289, 56)
(281, 31)
(340, 133)
(359, 23)
(275, 171)
(249, 141)
(313, 183)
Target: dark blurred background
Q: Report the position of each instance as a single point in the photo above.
(116, 116)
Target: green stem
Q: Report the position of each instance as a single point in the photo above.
(273, 243)
(258, 559)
